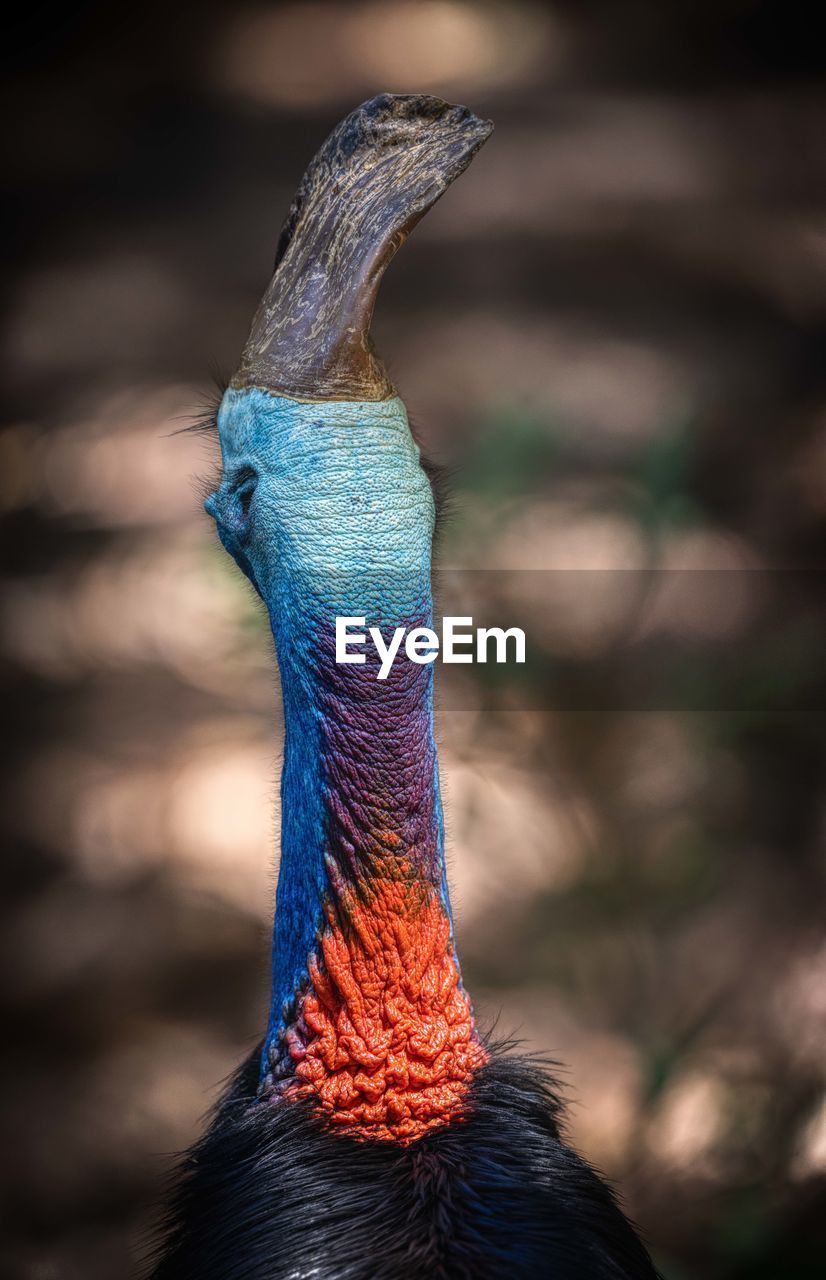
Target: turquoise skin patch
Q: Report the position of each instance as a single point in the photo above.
(326, 508)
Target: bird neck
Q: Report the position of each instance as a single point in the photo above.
(361, 815)
(369, 1017)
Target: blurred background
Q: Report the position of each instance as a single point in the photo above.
(611, 329)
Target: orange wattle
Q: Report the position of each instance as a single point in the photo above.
(384, 1040)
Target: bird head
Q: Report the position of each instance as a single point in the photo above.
(321, 476)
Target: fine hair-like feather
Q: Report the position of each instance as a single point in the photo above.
(269, 1193)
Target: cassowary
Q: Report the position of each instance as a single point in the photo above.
(375, 1134)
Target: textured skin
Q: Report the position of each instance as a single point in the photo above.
(369, 1016)
(384, 1038)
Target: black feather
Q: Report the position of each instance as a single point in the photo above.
(270, 1193)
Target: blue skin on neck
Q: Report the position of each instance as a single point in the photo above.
(325, 507)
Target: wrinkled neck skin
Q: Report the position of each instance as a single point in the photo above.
(327, 510)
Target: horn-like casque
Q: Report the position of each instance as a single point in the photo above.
(377, 174)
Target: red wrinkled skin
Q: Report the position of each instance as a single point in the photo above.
(384, 1040)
